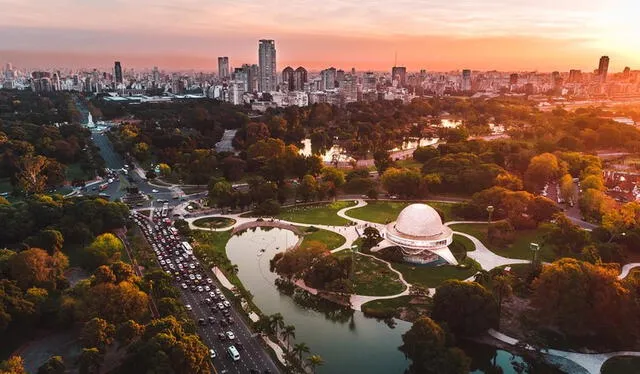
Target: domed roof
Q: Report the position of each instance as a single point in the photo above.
(419, 220)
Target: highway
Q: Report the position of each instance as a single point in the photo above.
(253, 358)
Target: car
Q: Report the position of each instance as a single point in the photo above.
(207, 288)
(231, 335)
(192, 277)
(212, 353)
(188, 306)
(192, 266)
(230, 321)
(184, 286)
(212, 294)
(226, 303)
(218, 292)
(194, 288)
(209, 280)
(201, 321)
(200, 289)
(211, 320)
(222, 336)
(155, 191)
(220, 306)
(198, 277)
(207, 300)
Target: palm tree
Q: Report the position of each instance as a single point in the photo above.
(315, 361)
(300, 349)
(276, 322)
(288, 332)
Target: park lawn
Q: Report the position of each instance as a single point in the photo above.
(319, 214)
(386, 308)
(518, 249)
(372, 277)
(387, 211)
(329, 238)
(433, 276)
(463, 242)
(621, 365)
(214, 222)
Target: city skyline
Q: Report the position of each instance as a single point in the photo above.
(503, 35)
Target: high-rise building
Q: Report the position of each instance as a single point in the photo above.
(575, 76)
(603, 68)
(299, 78)
(223, 67)
(513, 78)
(626, 73)
(466, 80)
(328, 78)
(339, 77)
(117, 72)
(369, 82)
(399, 74)
(288, 78)
(267, 64)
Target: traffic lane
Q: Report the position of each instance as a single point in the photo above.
(253, 355)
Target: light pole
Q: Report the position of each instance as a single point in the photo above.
(535, 248)
(490, 211)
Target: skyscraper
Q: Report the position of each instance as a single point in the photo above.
(466, 80)
(117, 72)
(299, 78)
(328, 78)
(603, 68)
(399, 74)
(223, 67)
(267, 65)
(287, 78)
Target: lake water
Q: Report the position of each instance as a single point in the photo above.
(347, 340)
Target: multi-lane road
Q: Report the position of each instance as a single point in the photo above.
(203, 305)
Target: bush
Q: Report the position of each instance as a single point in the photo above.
(468, 211)
(501, 233)
(268, 208)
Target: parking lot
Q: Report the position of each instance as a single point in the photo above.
(232, 346)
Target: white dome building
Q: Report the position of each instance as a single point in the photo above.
(421, 236)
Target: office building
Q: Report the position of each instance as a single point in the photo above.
(288, 78)
(603, 68)
(328, 77)
(466, 80)
(117, 72)
(513, 78)
(369, 81)
(223, 67)
(299, 78)
(575, 76)
(267, 65)
(399, 75)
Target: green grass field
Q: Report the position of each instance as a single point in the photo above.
(331, 239)
(372, 277)
(214, 222)
(621, 365)
(319, 214)
(432, 276)
(387, 211)
(386, 308)
(518, 249)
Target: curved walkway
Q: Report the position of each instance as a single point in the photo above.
(592, 362)
(626, 269)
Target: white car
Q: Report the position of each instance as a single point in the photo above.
(200, 289)
(226, 303)
(184, 286)
(207, 288)
(220, 306)
(192, 266)
(154, 191)
(188, 306)
(198, 277)
(192, 277)
(209, 280)
(212, 294)
(230, 335)
(212, 353)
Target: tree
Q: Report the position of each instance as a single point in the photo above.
(299, 349)
(566, 237)
(542, 169)
(97, 333)
(370, 237)
(509, 181)
(382, 161)
(424, 154)
(288, 332)
(315, 361)
(308, 188)
(542, 209)
(127, 332)
(36, 268)
(501, 289)
(333, 175)
(268, 208)
(13, 365)
(221, 194)
(141, 151)
(31, 176)
(402, 182)
(115, 303)
(573, 296)
(165, 170)
(425, 344)
(54, 365)
(104, 250)
(276, 321)
(90, 361)
(467, 308)
(617, 220)
(568, 189)
(50, 240)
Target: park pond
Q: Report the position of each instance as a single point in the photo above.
(348, 341)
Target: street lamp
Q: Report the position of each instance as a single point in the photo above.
(535, 248)
(490, 212)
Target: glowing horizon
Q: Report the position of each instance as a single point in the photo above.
(441, 35)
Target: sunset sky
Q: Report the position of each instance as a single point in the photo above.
(539, 35)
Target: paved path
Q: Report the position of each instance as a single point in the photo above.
(592, 362)
(626, 269)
